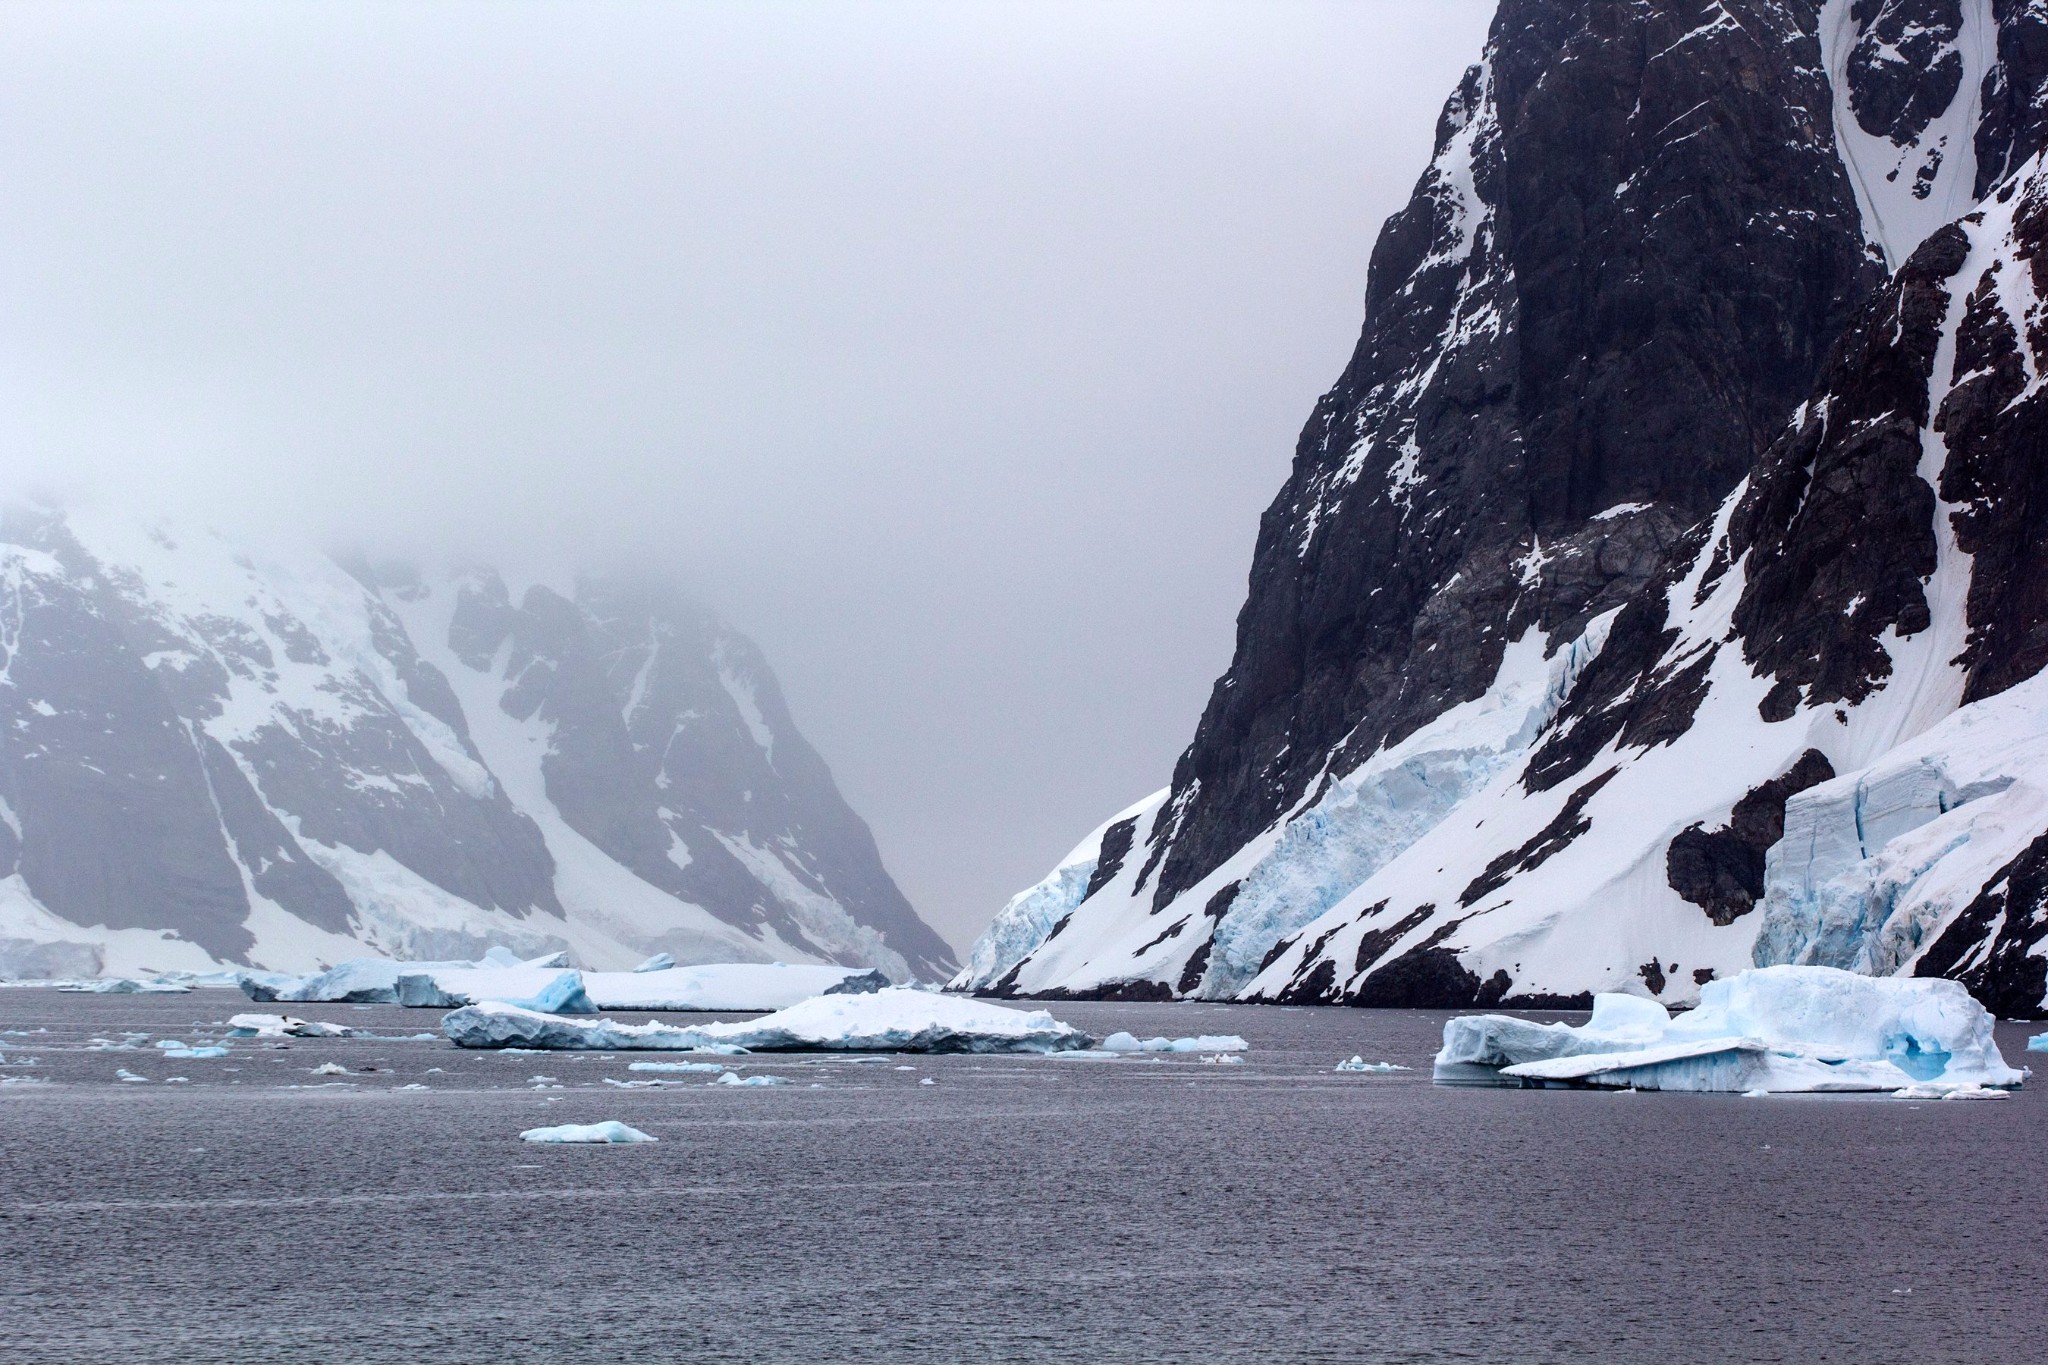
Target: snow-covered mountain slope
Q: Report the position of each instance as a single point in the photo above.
(213, 756)
(1517, 590)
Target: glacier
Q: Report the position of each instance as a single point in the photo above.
(1032, 914)
(1772, 1029)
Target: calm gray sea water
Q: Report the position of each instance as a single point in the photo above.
(1018, 1209)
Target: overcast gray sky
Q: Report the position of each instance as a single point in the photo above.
(952, 350)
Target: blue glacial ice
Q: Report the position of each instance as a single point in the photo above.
(2038, 1043)
(609, 1133)
(172, 1049)
(1377, 811)
(1773, 1029)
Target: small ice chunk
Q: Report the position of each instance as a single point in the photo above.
(927, 1081)
(123, 1073)
(2038, 1043)
(660, 962)
(1358, 1063)
(1223, 1059)
(630, 1085)
(734, 1078)
(330, 1069)
(180, 1052)
(675, 1066)
(413, 1086)
(1756, 1094)
(611, 1131)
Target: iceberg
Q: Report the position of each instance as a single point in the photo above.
(1207, 1042)
(892, 1020)
(1774, 1030)
(374, 980)
(2038, 1043)
(610, 1132)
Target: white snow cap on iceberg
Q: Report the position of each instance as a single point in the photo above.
(1773, 1029)
(610, 1132)
(892, 1020)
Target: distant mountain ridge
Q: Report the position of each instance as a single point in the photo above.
(1678, 503)
(282, 761)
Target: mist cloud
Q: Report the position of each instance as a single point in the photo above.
(951, 350)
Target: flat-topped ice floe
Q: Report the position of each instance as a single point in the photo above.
(892, 1020)
(1207, 1042)
(610, 1132)
(1772, 1030)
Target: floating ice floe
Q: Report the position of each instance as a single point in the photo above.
(122, 985)
(734, 1078)
(1358, 1063)
(122, 1073)
(2038, 1043)
(610, 1132)
(1208, 1042)
(283, 1025)
(1774, 1029)
(196, 1052)
(892, 1020)
(374, 980)
(330, 1069)
(675, 1066)
(1223, 1059)
(1936, 1090)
